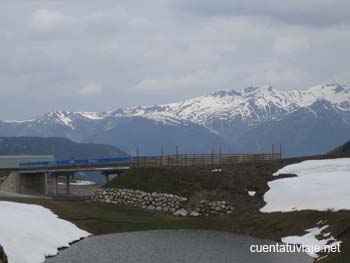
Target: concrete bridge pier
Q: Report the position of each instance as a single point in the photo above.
(108, 174)
(34, 183)
(55, 185)
(55, 178)
(68, 184)
(46, 183)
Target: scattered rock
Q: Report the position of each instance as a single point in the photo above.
(3, 257)
(194, 213)
(150, 207)
(181, 212)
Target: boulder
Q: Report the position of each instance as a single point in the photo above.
(150, 207)
(181, 212)
(194, 213)
(3, 258)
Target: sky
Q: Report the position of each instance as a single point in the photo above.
(97, 55)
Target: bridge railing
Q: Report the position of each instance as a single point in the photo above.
(204, 159)
(78, 162)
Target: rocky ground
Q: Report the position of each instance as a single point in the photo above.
(3, 258)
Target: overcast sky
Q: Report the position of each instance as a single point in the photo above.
(96, 55)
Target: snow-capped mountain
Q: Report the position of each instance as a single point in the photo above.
(253, 105)
(241, 120)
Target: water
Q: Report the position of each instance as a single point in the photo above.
(181, 246)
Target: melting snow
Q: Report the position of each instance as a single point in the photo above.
(319, 185)
(310, 239)
(29, 233)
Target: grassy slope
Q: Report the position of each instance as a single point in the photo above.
(201, 183)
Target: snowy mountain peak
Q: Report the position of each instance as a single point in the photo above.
(251, 105)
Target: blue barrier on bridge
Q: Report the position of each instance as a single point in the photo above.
(77, 162)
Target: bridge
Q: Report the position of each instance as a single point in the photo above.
(34, 177)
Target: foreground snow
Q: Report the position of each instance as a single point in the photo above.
(28, 233)
(310, 239)
(319, 185)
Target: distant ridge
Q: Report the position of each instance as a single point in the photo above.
(344, 148)
(61, 148)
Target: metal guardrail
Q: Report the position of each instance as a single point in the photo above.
(166, 160)
(77, 162)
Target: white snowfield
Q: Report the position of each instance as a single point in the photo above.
(29, 233)
(319, 185)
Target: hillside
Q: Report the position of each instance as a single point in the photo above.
(247, 120)
(61, 148)
(342, 149)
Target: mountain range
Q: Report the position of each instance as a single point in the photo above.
(305, 121)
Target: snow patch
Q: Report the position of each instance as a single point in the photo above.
(310, 239)
(319, 185)
(79, 182)
(251, 193)
(93, 115)
(29, 233)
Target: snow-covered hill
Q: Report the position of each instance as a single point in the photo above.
(220, 117)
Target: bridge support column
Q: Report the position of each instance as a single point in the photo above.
(55, 187)
(68, 185)
(46, 185)
(107, 177)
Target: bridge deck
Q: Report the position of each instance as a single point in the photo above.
(37, 174)
(123, 162)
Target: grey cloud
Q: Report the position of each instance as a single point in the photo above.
(100, 55)
(311, 12)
